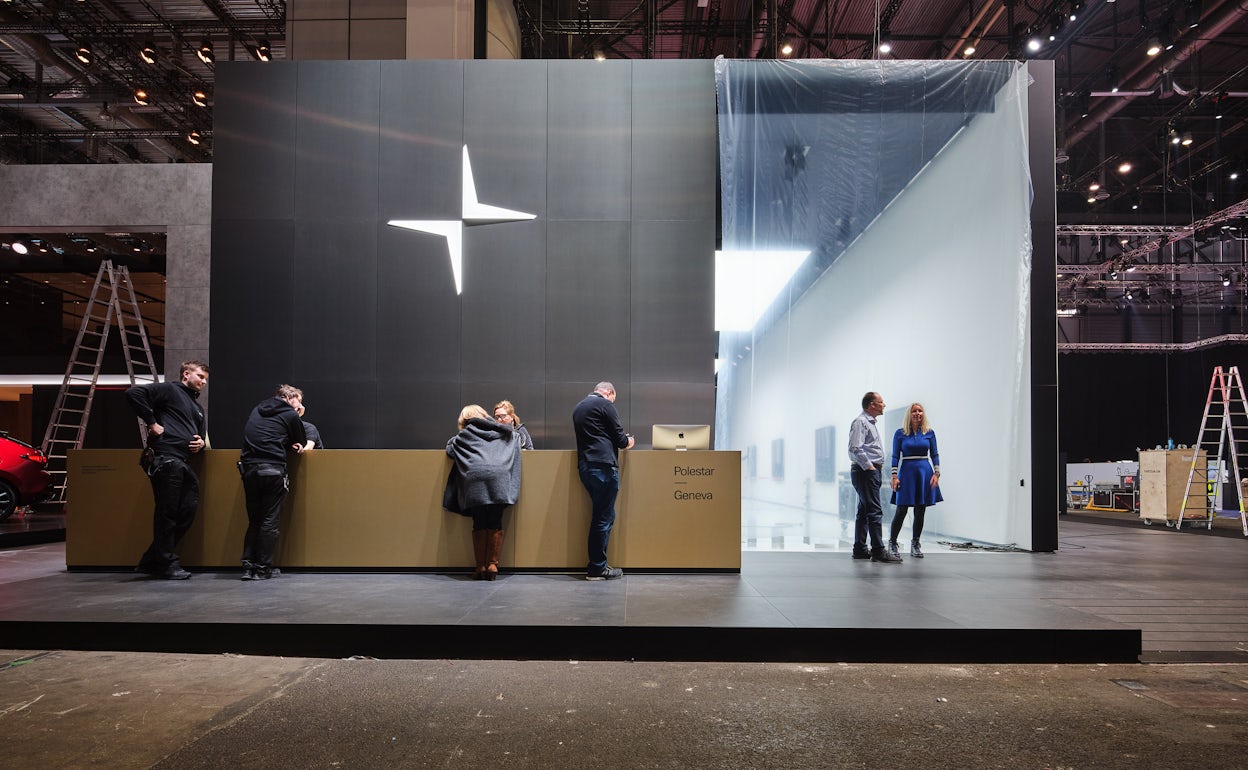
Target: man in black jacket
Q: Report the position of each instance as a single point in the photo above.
(272, 429)
(599, 439)
(175, 430)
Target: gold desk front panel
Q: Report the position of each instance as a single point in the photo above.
(378, 509)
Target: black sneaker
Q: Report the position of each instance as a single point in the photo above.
(249, 574)
(610, 573)
(175, 572)
(862, 554)
(884, 555)
(266, 573)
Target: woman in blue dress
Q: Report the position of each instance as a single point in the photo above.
(916, 475)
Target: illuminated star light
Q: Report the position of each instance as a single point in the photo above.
(474, 213)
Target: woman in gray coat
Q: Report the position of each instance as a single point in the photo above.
(484, 480)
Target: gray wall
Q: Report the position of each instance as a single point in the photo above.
(613, 279)
(174, 198)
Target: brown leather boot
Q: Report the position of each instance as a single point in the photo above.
(480, 550)
(495, 550)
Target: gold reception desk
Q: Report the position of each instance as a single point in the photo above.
(382, 509)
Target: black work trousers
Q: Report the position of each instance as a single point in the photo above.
(175, 489)
(265, 489)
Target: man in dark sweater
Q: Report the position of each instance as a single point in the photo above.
(176, 429)
(272, 430)
(599, 439)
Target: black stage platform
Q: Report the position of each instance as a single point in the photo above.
(1110, 594)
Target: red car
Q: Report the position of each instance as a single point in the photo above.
(24, 479)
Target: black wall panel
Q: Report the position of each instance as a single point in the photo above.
(422, 137)
(416, 415)
(504, 313)
(418, 312)
(673, 277)
(364, 316)
(670, 131)
(505, 118)
(590, 139)
(588, 288)
(253, 118)
(252, 306)
(337, 136)
(335, 291)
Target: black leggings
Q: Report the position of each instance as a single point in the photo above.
(487, 517)
(899, 518)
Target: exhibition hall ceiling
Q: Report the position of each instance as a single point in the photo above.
(70, 70)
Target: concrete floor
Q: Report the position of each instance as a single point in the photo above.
(135, 710)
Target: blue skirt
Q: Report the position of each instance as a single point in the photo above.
(915, 489)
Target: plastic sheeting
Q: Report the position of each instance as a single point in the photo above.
(903, 190)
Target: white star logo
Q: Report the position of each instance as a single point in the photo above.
(474, 213)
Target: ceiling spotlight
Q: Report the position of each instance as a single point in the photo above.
(204, 52)
(886, 45)
(1186, 139)
(19, 247)
(264, 51)
(1124, 167)
(193, 137)
(1113, 272)
(786, 48)
(1091, 199)
(140, 96)
(84, 55)
(1233, 175)
(199, 97)
(969, 50)
(148, 53)
(105, 116)
(1127, 294)
(1076, 8)
(1154, 46)
(1226, 279)
(1034, 44)
(1094, 186)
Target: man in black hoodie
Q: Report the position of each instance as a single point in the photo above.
(272, 429)
(176, 429)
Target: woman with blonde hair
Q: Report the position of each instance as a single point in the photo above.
(916, 475)
(505, 412)
(484, 480)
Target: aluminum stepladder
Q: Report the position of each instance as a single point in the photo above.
(112, 301)
(1225, 417)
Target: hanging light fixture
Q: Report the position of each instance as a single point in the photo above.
(199, 97)
(1154, 46)
(84, 55)
(148, 53)
(204, 52)
(264, 52)
(140, 96)
(193, 137)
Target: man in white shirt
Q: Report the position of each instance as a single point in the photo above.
(867, 454)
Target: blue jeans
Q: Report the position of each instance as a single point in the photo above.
(603, 484)
(870, 518)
